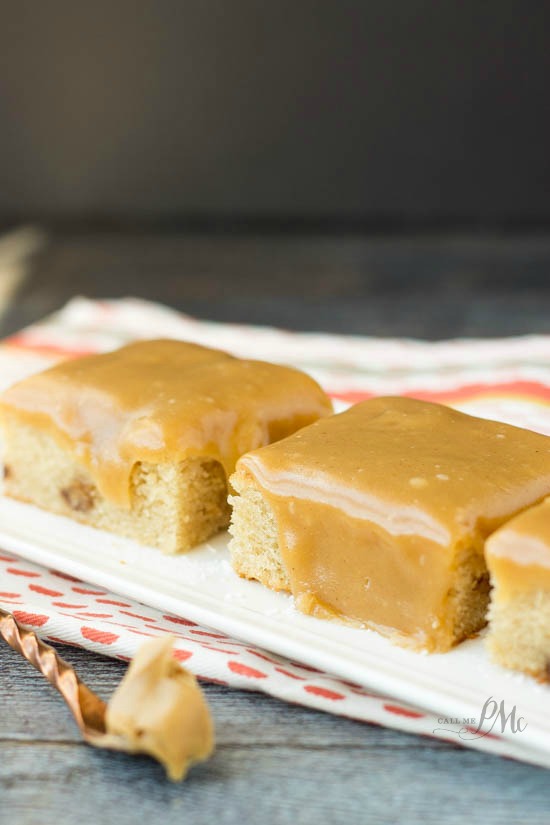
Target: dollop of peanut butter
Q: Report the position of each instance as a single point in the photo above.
(159, 709)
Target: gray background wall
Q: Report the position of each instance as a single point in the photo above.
(355, 111)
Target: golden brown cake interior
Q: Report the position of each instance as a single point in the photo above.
(172, 506)
(518, 557)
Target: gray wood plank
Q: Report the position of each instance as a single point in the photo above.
(275, 785)
(425, 286)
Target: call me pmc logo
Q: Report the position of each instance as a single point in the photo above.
(494, 718)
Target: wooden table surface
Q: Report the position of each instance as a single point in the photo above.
(275, 763)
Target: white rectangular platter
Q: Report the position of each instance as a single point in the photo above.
(202, 586)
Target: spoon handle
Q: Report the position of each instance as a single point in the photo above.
(87, 708)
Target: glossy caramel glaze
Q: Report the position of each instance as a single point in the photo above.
(377, 507)
(163, 401)
(518, 555)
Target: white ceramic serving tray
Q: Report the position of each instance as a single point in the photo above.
(202, 586)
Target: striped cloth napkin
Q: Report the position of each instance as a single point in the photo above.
(507, 379)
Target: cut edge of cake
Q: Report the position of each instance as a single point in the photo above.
(518, 558)
(519, 633)
(254, 543)
(173, 506)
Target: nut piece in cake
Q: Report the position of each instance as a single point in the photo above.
(379, 515)
(141, 441)
(518, 558)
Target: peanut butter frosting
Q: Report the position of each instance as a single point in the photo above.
(377, 508)
(163, 401)
(159, 709)
(518, 555)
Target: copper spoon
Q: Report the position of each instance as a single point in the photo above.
(179, 734)
(87, 708)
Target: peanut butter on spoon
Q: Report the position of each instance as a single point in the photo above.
(159, 709)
